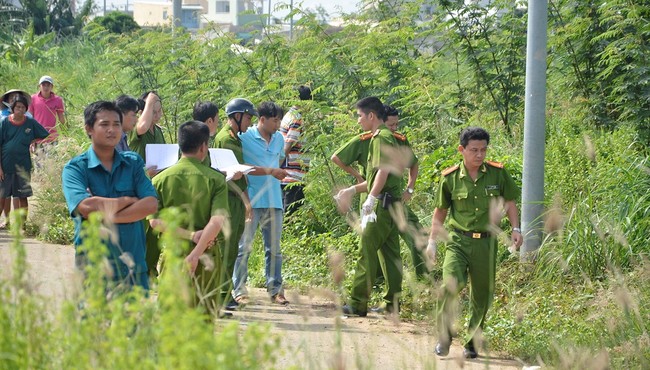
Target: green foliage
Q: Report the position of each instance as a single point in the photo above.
(117, 22)
(492, 39)
(25, 48)
(604, 44)
(121, 329)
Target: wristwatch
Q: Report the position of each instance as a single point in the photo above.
(516, 230)
(410, 190)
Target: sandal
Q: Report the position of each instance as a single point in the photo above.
(279, 299)
(242, 300)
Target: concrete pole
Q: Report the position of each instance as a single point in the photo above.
(534, 128)
(177, 13)
(291, 21)
(269, 22)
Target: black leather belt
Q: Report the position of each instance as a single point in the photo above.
(473, 234)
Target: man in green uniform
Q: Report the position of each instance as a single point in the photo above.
(466, 193)
(147, 131)
(239, 112)
(380, 233)
(200, 191)
(356, 150)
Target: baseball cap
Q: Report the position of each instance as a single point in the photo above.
(46, 79)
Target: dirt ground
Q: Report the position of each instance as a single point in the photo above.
(310, 327)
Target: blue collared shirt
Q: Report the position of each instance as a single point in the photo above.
(84, 177)
(123, 146)
(263, 191)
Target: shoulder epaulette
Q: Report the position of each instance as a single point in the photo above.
(365, 136)
(450, 170)
(495, 164)
(398, 136)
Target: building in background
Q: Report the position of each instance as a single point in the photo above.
(157, 13)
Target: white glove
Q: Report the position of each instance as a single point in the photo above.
(368, 206)
(431, 251)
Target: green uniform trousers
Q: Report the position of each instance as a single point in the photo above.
(206, 282)
(467, 257)
(379, 238)
(230, 248)
(152, 255)
(411, 228)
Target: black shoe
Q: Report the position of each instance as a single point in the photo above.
(351, 311)
(442, 349)
(470, 351)
(231, 305)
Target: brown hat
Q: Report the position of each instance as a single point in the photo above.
(5, 96)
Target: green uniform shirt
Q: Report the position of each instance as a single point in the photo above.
(198, 189)
(382, 148)
(470, 200)
(227, 139)
(15, 141)
(138, 143)
(355, 150)
(406, 151)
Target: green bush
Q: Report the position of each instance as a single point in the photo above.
(121, 330)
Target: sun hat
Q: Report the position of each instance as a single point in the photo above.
(5, 96)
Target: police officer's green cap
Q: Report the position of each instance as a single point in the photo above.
(240, 105)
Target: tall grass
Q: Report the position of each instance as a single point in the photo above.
(118, 331)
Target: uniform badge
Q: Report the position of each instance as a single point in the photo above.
(492, 187)
(28, 130)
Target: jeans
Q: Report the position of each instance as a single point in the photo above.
(270, 222)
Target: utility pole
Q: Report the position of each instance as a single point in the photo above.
(291, 21)
(534, 128)
(177, 14)
(269, 22)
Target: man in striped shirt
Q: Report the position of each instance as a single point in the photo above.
(296, 163)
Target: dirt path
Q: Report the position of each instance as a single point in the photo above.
(310, 327)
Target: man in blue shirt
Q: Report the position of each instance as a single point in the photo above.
(263, 148)
(105, 180)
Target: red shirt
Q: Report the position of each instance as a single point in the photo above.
(45, 111)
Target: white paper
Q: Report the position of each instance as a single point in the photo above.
(161, 155)
(224, 160)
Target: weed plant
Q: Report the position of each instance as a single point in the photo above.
(111, 330)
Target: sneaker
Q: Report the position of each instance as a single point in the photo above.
(351, 311)
(242, 300)
(279, 299)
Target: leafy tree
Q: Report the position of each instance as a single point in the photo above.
(53, 16)
(605, 45)
(26, 47)
(491, 39)
(118, 22)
